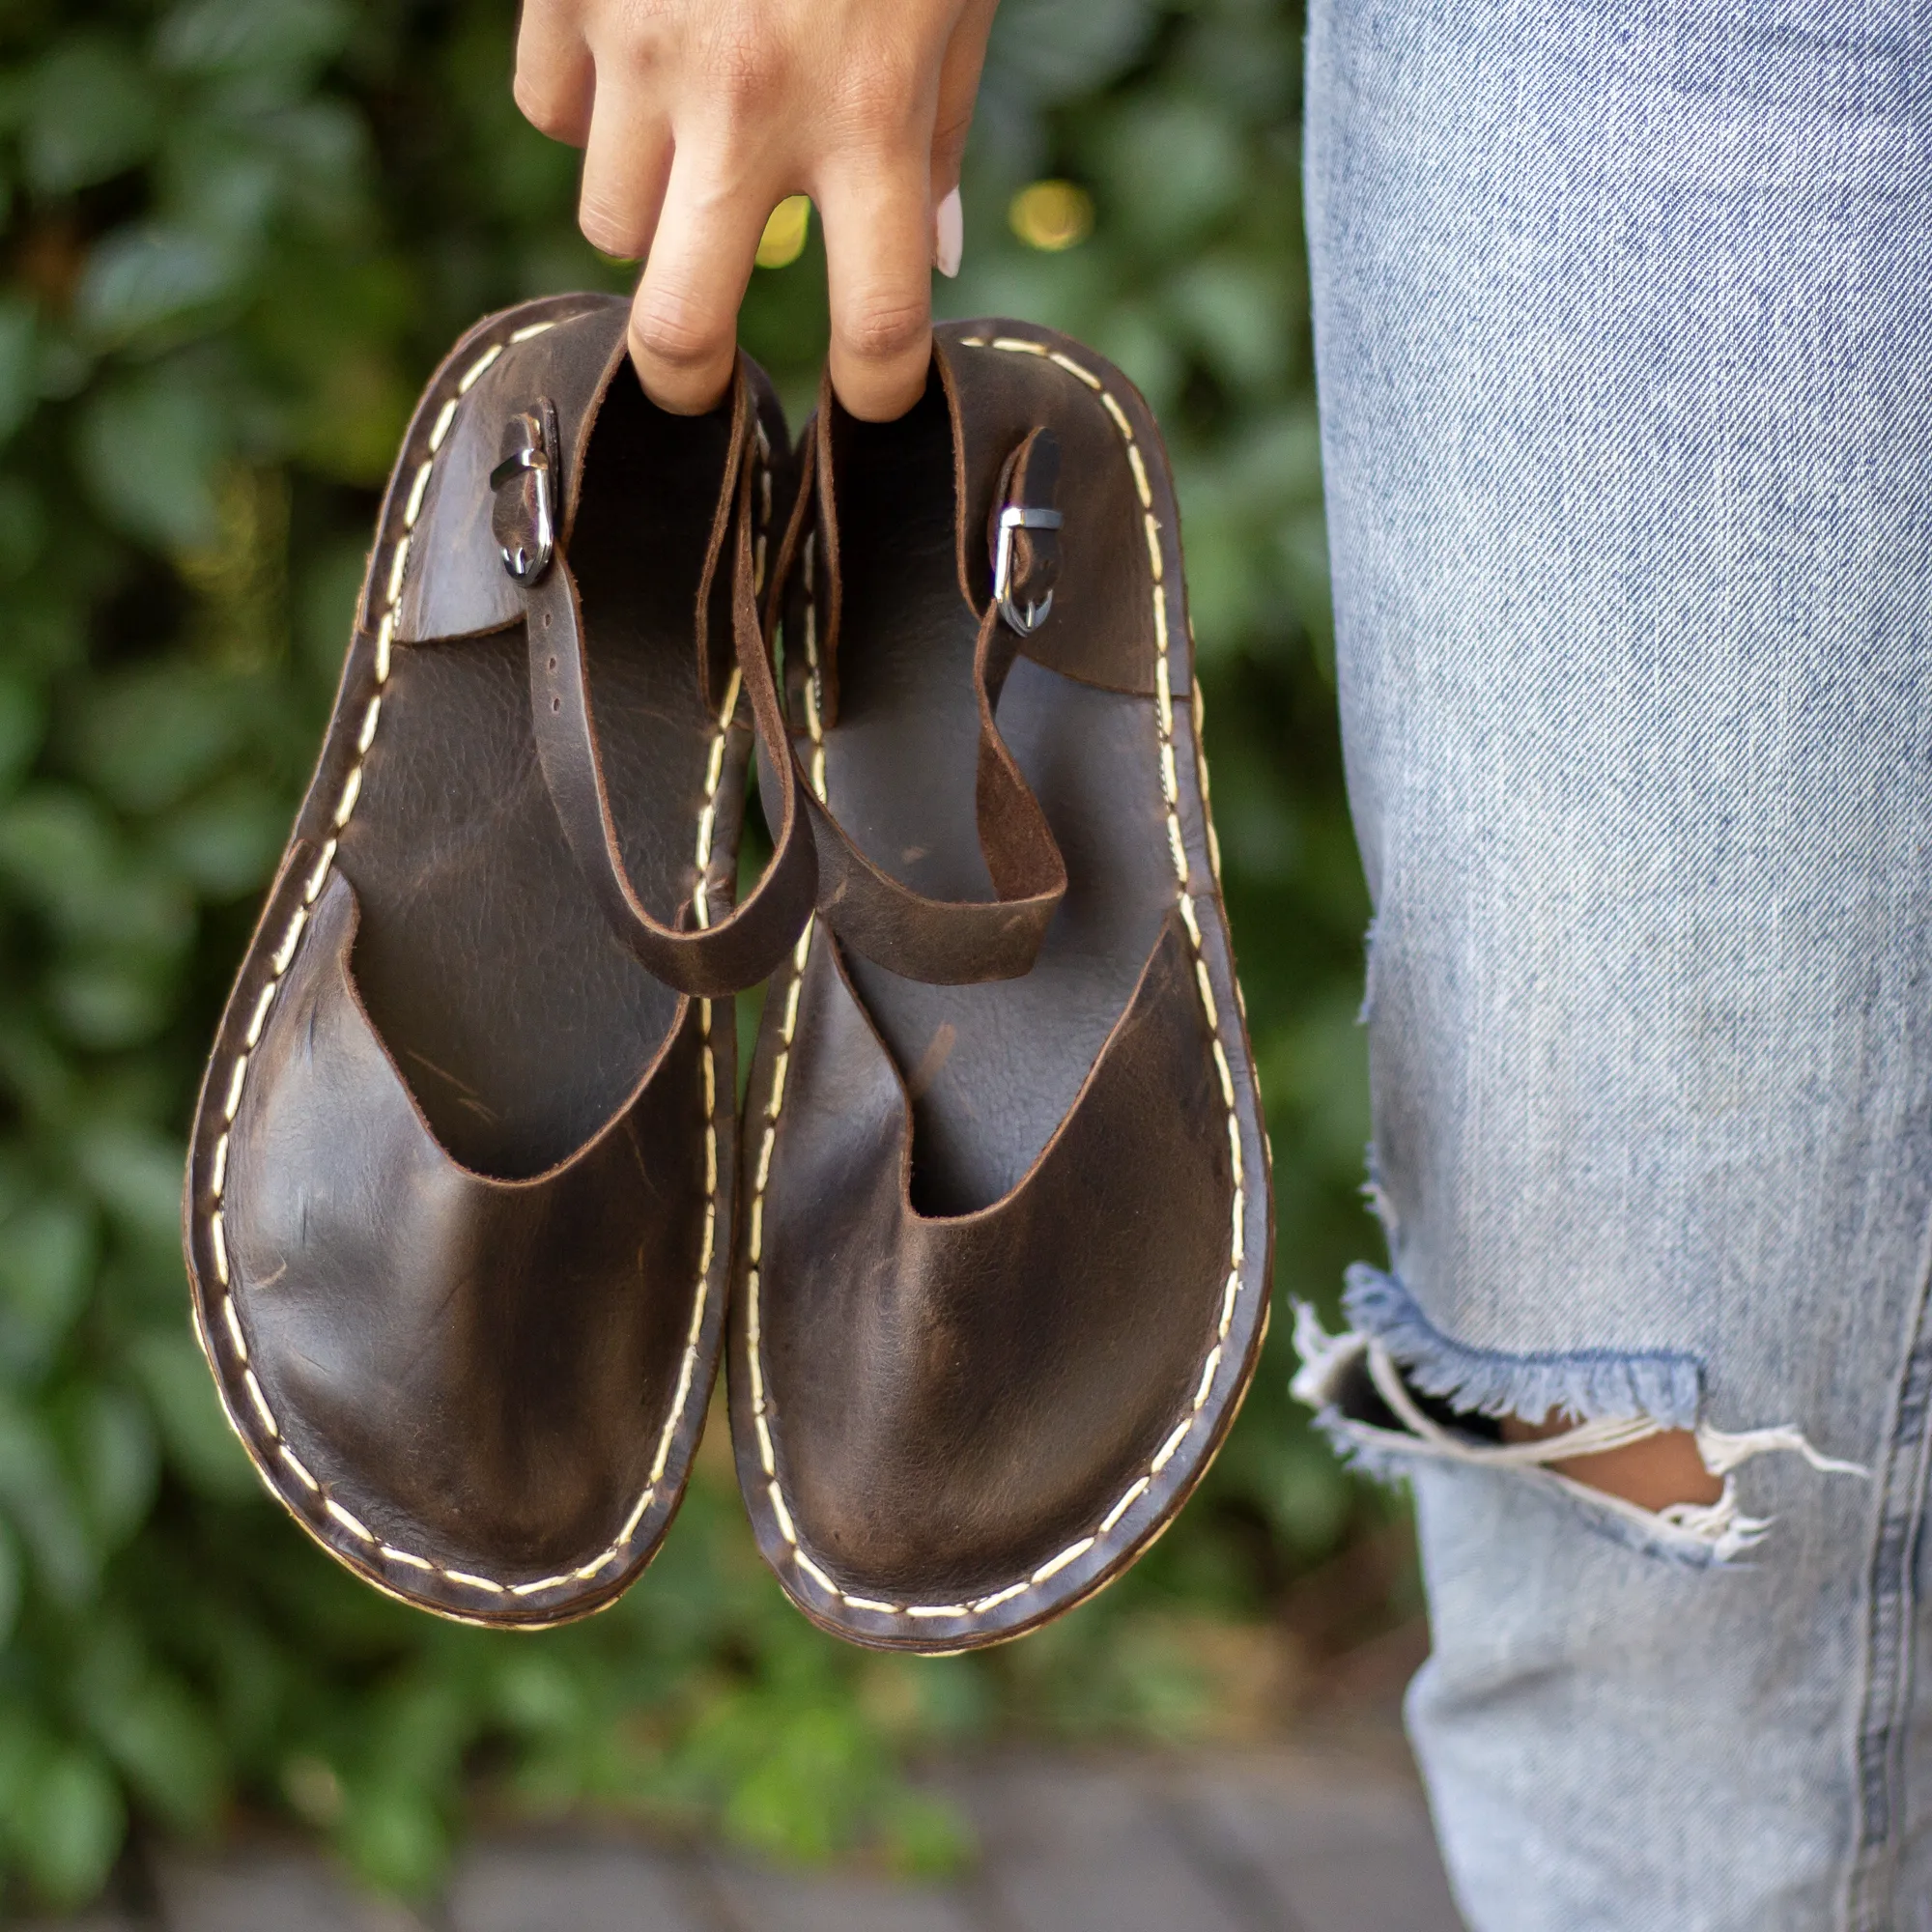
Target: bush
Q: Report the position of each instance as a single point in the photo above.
(238, 235)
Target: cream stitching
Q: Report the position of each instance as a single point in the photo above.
(1177, 850)
(282, 957)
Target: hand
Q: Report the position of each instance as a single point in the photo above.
(697, 117)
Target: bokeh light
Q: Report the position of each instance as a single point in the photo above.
(783, 239)
(1052, 215)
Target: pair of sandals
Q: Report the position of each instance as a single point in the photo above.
(471, 1210)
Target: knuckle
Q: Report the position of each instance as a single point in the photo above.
(637, 41)
(672, 331)
(879, 103)
(884, 329)
(607, 227)
(746, 68)
(547, 107)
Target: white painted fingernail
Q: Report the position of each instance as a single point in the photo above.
(948, 235)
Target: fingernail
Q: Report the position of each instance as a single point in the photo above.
(948, 235)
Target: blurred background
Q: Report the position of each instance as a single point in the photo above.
(236, 236)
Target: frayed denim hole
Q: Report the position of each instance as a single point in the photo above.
(1589, 1383)
(1384, 1412)
(1394, 1458)
(1593, 1512)
(1359, 1400)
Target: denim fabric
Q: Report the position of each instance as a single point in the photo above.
(1624, 334)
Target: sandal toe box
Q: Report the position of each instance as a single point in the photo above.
(441, 1374)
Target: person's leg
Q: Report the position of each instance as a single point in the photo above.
(1623, 331)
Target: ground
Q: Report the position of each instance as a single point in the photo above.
(1323, 1831)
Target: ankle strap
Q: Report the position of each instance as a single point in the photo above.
(943, 942)
(695, 954)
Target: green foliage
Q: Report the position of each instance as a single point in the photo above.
(237, 234)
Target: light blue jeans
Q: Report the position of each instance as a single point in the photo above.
(1623, 331)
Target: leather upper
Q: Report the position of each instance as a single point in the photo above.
(456, 1351)
(995, 1372)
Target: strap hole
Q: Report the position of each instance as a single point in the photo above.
(552, 664)
(556, 705)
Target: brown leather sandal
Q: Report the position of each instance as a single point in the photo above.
(1005, 1265)
(460, 1188)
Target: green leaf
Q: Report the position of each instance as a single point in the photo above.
(22, 721)
(151, 735)
(1276, 460)
(313, 1789)
(537, 1692)
(56, 842)
(143, 921)
(26, 1750)
(1170, 167)
(108, 1002)
(143, 276)
(1247, 61)
(240, 37)
(152, 1729)
(1310, 1498)
(38, 1496)
(1049, 50)
(1238, 314)
(111, 1445)
(325, 157)
(32, 1064)
(149, 449)
(46, 1267)
(135, 1174)
(1259, 826)
(91, 114)
(1318, 1068)
(1133, 335)
(199, 1443)
(802, 1794)
(228, 841)
(70, 1828)
(394, 1835)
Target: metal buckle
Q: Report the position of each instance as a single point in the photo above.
(526, 564)
(1017, 517)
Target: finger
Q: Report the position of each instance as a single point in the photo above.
(684, 319)
(878, 256)
(627, 165)
(555, 82)
(958, 88)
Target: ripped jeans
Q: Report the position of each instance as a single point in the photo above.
(1623, 335)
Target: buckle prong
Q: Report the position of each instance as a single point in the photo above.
(1018, 516)
(526, 561)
